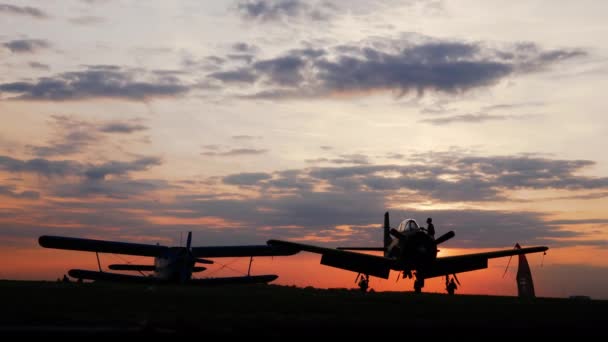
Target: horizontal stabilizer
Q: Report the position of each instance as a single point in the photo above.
(259, 279)
(203, 261)
(90, 245)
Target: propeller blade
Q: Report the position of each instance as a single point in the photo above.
(397, 234)
(189, 241)
(445, 237)
(386, 220)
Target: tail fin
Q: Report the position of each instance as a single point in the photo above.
(387, 235)
(189, 241)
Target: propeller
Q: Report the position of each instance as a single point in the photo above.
(188, 260)
(394, 232)
(445, 237)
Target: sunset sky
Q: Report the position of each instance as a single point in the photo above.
(250, 120)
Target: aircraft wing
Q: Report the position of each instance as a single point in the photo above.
(113, 277)
(90, 245)
(123, 278)
(241, 251)
(471, 262)
(357, 262)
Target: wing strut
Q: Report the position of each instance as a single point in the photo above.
(98, 263)
(249, 269)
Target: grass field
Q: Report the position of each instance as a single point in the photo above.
(50, 308)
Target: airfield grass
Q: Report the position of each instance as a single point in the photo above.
(278, 311)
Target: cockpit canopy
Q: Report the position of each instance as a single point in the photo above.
(408, 225)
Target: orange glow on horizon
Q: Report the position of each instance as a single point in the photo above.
(301, 270)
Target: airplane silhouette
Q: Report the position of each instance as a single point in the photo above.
(407, 249)
(171, 264)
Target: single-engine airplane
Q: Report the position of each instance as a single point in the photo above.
(407, 249)
(171, 264)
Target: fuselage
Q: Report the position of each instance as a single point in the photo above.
(411, 246)
(175, 265)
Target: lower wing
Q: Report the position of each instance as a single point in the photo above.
(470, 262)
(123, 278)
(114, 277)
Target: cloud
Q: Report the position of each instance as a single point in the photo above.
(87, 20)
(246, 137)
(72, 136)
(468, 179)
(343, 159)
(7, 190)
(40, 166)
(121, 127)
(319, 214)
(236, 76)
(120, 188)
(469, 118)
(120, 168)
(71, 179)
(408, 64)
(245, 47)
(96, 82)
(41, 66)
(246, 179)
(311, 203)
(26, 45)
(66, 168)
(235, 152)
(23, 10)
(393, 155)
(284, 10)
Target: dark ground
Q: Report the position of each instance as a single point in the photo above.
(51, 309)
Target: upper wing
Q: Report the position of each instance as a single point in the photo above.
(357, 262)
(471, 262)
(102, 246)
(242, 251)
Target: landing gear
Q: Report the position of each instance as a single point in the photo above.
(363, 282)
(418, 285)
